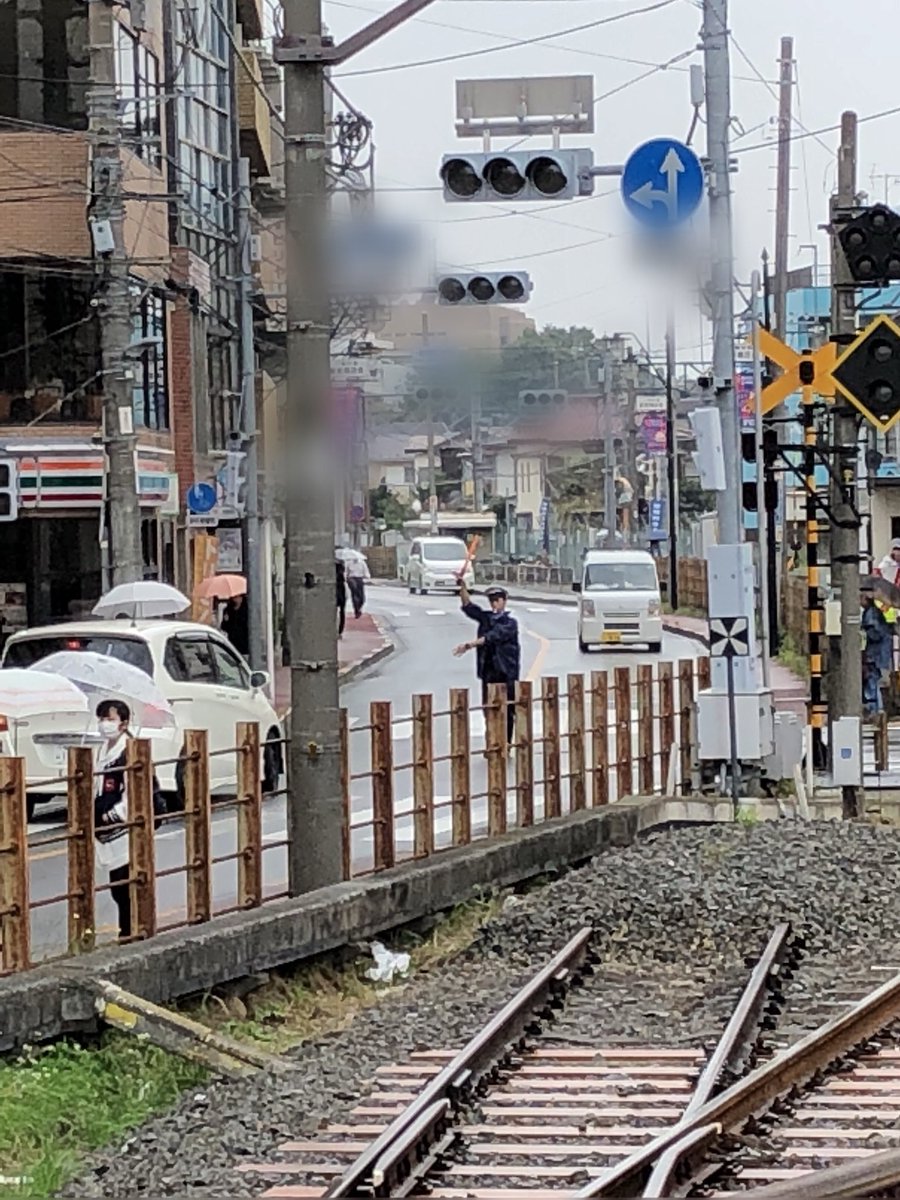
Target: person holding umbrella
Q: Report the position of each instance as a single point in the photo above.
(498, 654)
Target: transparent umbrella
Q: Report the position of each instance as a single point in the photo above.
(143, 599)
(101, 677)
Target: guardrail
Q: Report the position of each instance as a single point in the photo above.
(413, 785)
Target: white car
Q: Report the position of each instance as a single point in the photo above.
(620, 600)
(435, 562)
(206, 681)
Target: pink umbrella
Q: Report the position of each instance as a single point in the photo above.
(221, 587)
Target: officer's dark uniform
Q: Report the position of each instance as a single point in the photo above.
(499, 659)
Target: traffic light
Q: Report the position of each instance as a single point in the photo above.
(518, 175)
(868, 373)
(9, 489)
(709, 457)
(871, 243)
(770, 447)
(234, 479)
(490, 287)
(750, 494)
(535, 401)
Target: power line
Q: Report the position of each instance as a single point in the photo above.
(799, 137)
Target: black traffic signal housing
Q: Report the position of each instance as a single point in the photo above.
(750, 489)
(871, 244)
(868, 373)
(750, 495)
(770, 447)
(806, 369)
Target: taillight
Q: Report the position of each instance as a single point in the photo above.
(4, 724)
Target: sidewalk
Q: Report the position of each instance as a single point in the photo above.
(364, 642)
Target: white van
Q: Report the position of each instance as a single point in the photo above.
(435, 562)
(620, 600)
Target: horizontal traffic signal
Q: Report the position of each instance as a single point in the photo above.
(871, 243)
(536, 400)
(518, 175)
(485, 287)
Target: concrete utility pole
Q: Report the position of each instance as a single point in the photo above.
(671, 460)
(257, 579)
(315, 802)
(783, 184)
(609, 453)
(844, 677)
(714, 39)
(762, 543)
(477, 454)
(107, 218)
(432, 466)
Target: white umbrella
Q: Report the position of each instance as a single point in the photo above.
(23, 692)
(101, 677)
(146, 598)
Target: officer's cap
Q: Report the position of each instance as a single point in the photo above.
(494, 593)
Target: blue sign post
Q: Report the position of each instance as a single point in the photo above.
(662, 184)
(201, 498)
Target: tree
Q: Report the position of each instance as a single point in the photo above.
(385, 506)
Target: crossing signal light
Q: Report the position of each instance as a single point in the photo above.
(485, 287)
(871, 243)
(518, 175)
(537, 401)
(868, 373)
(9, 489)
(770, 447)
(750, 495)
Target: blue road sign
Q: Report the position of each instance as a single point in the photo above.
(662, 184)
(201, 498)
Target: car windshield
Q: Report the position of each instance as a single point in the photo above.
(444, 552)
(620, 577)
(31, 650)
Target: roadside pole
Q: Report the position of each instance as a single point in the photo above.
(762, 544)
(257, 578)
(609, 453)
(315, 808)
(432, 468)
(671, 462)
(844, 658)
(714, 39)
(113, 296)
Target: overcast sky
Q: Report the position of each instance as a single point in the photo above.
(581, 275)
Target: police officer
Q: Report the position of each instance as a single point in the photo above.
(497, 647)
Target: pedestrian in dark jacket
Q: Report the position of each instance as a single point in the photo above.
(340, 595)
(497, 646)
(235, 624)
(878, 652)
(111, 810)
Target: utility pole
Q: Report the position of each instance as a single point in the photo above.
(107, 220)
(609, 452)
(762, 543)
(714, 39)
(315, 807)
(257, 579)
(432, 467)
(671, 461)
(783, 183)
(477, 453)
(844, 658)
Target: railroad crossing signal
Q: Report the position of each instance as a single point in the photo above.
(868, 373)
(871, 243)
(790, 361)
(729, 637)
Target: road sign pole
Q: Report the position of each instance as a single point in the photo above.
(732, 735)
(671, 459)
(761, 507)
(844, 658)
(714, 39)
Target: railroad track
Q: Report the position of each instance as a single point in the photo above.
(518, 1114)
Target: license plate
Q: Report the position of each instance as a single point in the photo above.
(611, 636)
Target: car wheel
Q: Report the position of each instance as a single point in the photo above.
(655, 647)
(423, 591)
(272, 762)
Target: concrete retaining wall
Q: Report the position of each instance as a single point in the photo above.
(52, 999)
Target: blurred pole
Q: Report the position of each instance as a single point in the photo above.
(761, 540)
(671, 460)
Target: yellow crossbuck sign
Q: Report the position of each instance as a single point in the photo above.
(789, 360)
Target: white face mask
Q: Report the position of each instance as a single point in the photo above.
(109, 729)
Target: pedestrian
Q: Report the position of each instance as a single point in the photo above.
(889, 567)
(878, 652)
(357, 570)
(111, 808)
(234, 624)
(497, 647)
(340, 587)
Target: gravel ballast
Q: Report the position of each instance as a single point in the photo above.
(675, 917)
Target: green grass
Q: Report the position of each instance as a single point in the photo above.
(793, 658)
(61, 1102)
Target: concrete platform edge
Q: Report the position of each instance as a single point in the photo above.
(55, 998)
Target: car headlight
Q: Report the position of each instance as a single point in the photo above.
(588, 609)
(653, 608)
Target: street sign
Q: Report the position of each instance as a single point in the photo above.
(662, 184)
(868, 373)
(729, 637)
(201, 498)
(789, 360)
(202, 520)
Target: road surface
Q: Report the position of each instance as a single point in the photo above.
(424, 629)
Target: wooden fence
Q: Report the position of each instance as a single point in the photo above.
(413, 785)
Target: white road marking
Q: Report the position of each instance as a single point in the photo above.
(538, 610)
(435, 612)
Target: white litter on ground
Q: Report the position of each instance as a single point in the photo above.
(387, 964)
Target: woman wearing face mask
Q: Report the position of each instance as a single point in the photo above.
(111, 805)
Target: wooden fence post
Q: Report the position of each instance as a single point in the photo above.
(704, 673)
(624, 749)
(666, 720)
(15, 915)
(524, 754)
(197, 826)
(686, 720)
(599, 738)
(495, 751)
(141, 837)
(645, 728)
(382, 784)
(550, 747)
(249, 816)
(423, 775)
(577, 781)
(346, 805)
(82, 933)
(460, 766)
